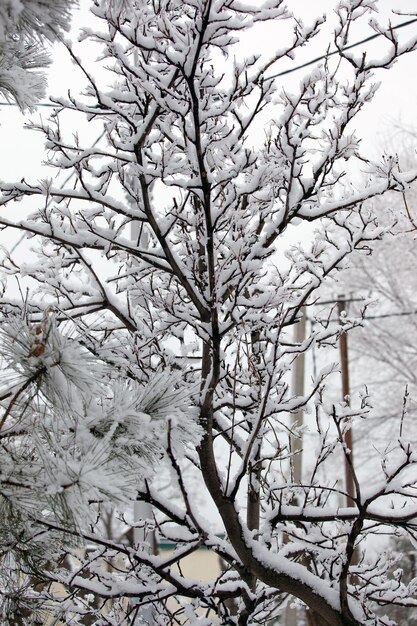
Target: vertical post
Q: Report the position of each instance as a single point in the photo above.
(292, 615)
(143, 510)
(344, 369)
(298, 390)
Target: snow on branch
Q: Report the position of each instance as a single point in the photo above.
(151, 336)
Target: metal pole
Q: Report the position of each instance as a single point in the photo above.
(298, 390)
(344, 369)
(292, 615)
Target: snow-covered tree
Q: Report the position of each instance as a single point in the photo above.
(148, 352)
(26, 26)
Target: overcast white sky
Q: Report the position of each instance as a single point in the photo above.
(394, 106)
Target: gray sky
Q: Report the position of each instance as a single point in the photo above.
(380, 124)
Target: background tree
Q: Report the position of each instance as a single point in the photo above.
(382, 350)
(26, 27)
(198, 305)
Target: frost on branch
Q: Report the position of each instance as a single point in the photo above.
(172, 286)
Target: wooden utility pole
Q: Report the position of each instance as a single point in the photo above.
(344, 369)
